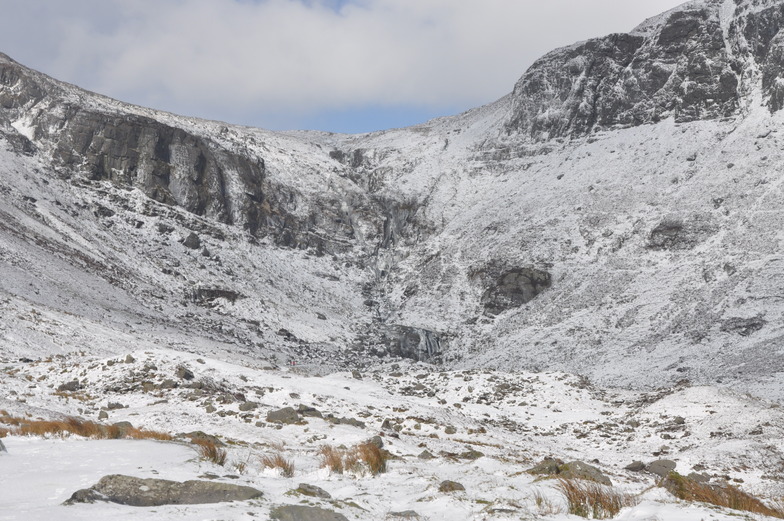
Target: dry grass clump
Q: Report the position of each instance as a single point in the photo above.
(592, 500)
(277, 461)
(373, 457)
(211, 452)
(143, 434)
(720, 495)
(362, 458)
(545, 505)
(332, 459)
(76, 427)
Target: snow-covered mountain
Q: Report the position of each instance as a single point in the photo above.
(618, 215)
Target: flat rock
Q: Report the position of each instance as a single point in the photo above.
(304, 513)
(139, 492)
(313, 491)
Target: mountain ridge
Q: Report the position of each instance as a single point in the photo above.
(633, 241)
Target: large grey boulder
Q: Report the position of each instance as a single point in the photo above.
(139, 492)
(661, 468)
(304, 513)
(285, 415)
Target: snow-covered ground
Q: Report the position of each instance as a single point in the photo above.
(513, 419)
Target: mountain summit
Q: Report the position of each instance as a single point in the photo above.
(618, 215)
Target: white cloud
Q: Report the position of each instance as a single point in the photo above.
(226, 57)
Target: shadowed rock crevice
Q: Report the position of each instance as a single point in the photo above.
(511, 287)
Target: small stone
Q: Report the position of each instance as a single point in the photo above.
(309, 412)
(192, 241)
(312, 491)
(635, 466)
(426, 455)
(129, 359)
(450, 430)
(71, 386)
(103, 415)
(184, 373)
(210, 409)
(124, 427)
(248, 406)
(450, 486)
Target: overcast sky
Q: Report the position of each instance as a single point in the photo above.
(336, 65)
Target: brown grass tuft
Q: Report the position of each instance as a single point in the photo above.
(592, 500)
(76, 427)
(545, 505)
(720, 495)
(277, 461)
(362, 458)
(211, 452)
(142, 434)
(373, 457)
(332, 459)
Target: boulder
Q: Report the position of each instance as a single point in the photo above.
(304, 513)
(661, 467)
(71, 386)
(285, 415)
(635, 466)
(426, 455)
(139, 492)
(312, 491)
(308, 412)
(192, 241)
(450, 486)
(2, 447)
(406, 514)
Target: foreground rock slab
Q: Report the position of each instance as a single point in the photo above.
(304, 513)
(139, 492)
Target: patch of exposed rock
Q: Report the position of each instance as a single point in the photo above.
(139, 492)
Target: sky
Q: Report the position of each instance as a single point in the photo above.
(335, 65)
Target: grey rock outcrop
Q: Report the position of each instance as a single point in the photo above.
(689, 64)
(139, 492)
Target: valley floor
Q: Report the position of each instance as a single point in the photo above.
(482, 429)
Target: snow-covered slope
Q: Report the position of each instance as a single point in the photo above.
(618, 215)
(482, 429)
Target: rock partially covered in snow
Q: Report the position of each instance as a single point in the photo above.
(138, 492)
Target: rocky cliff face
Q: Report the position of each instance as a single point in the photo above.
(701, 61)
(617, 215)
